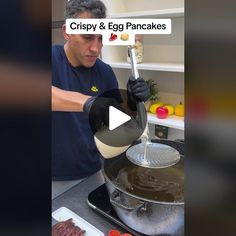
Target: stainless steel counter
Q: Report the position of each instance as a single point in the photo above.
(75, 199)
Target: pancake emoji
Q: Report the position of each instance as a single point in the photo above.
(124, 37)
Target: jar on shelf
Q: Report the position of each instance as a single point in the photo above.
(138, 48)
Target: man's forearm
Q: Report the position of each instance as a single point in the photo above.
(63, 100)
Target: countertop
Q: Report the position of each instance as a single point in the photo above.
(75, 199)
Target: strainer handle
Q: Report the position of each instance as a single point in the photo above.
(134, 69)
(141, 112)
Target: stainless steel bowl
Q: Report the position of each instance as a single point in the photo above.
(146, 215)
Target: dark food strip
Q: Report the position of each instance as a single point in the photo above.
(67, 228)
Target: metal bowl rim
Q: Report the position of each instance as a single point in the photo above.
(140, 198)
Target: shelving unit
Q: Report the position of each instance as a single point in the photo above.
(163, 54)
(173, 121)
(171, 67)
(176, 12)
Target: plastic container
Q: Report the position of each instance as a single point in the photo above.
(138, 46)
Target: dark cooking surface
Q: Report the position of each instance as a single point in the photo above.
(98, 200)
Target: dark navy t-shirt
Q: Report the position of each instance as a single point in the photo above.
(74, 153)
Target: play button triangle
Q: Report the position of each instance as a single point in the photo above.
(117, 118)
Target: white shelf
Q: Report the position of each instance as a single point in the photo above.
(175, 122)
(174, 12)
(172, 67)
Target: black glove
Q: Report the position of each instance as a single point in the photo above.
(138, 91)
(98, 110)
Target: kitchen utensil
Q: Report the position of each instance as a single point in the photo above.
(113, 143)
(148, 154)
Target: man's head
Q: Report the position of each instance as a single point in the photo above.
(83, 49)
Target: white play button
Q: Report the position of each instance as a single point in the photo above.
(116, 128)
(117, 118)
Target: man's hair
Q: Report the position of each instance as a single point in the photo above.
(75, 7)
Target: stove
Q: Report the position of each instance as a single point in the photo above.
(99, 201)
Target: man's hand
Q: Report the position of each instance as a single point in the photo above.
(98, 110)
(138, 91)
(70, 101)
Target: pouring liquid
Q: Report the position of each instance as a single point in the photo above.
(145, 151)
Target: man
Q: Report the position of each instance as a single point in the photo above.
(78, 78)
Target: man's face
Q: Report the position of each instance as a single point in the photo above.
(84, 48)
